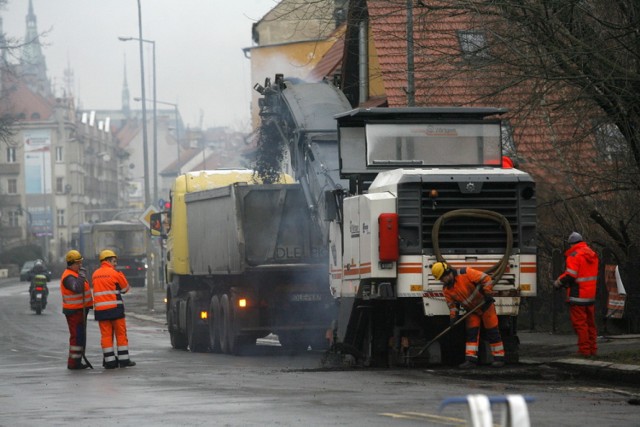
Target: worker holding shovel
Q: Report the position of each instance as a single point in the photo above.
(472, 290)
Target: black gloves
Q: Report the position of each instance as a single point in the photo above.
(83, 273)
(488, 300)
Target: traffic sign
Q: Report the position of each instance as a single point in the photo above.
(145, 218)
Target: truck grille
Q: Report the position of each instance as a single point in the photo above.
(418, 212)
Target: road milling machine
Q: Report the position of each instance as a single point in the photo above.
(391, 191)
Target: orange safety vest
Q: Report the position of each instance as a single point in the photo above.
(582, 265)
(72, 300)
(466, 290)
(108, 285)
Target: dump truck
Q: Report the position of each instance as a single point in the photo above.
(391, 191)
(242, 262)
(125, 238)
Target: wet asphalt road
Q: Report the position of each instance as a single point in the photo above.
(170, 387)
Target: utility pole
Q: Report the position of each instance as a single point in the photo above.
(145, 151)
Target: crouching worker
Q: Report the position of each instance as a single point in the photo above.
(76, 303)
(471, 288)
(108, 286)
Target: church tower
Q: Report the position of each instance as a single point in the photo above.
(33, 67)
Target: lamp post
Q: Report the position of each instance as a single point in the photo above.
(155, 119)
(175, 109)
(145, 150)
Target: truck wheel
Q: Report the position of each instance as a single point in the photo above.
(195, 334)
(178, 340)
(511, 348)
(214, 324)
(226, 325)
(452, 348)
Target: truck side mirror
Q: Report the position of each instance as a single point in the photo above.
(157, 222)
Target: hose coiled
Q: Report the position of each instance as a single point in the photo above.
(498, 269)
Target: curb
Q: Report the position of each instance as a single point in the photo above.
(601, 370)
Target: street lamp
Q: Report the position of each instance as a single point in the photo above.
(155, 122)
(175, 109)
(145, 150)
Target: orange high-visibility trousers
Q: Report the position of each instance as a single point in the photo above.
(107, 330)
(77, 337)
(583, 320)
(489, 319)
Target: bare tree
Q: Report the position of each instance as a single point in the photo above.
(569, 70)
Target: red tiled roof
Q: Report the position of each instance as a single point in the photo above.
(22, 102)
(331, 61)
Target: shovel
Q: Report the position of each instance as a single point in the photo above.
(446, 331)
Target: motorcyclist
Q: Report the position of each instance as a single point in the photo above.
(38, 276)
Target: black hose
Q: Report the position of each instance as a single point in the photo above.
(498, 269)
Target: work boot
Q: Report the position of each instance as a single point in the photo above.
(468, 364)
(127, 363)
(497, 364)
(110, 365)
(78, 366)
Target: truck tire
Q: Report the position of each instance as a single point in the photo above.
(214, 324)
(196, 334)
(227, 336)
(511, 348)
(230, 341)
(452, 348)
(178, 340)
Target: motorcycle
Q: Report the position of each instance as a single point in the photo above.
(39, 292)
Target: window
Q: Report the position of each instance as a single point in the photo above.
(59, 185)
(450, 144)
(13, 219)
(473, 45)
(12, 186)
(59, 158)
(11, 155)
(60, 217)
(508, 144)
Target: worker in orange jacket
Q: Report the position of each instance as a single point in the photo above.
(76, 303)
(471, 288)
(108, 286)
(580, 278)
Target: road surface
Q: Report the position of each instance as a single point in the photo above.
(178, 388)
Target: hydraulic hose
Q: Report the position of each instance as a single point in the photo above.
(498, 269)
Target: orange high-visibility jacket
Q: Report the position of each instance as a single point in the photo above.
(108, 286)
(72, 300)
(581, 274)
(468, 290)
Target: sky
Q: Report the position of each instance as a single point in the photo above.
(200, 64)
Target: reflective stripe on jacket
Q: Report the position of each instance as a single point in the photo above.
(72, 300)
(108, 286)
(467, 290)
(581, 274)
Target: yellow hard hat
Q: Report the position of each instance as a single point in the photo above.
(438, 269)
(73, 256)
(107, 253)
